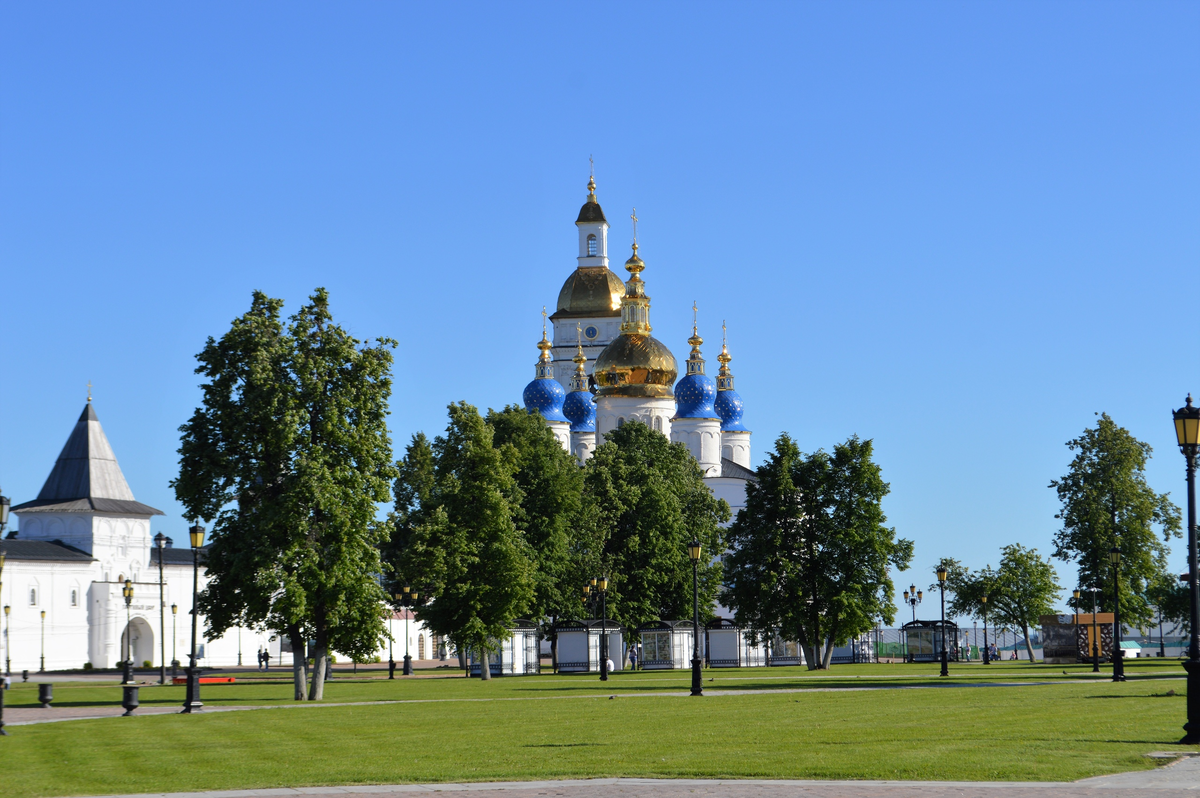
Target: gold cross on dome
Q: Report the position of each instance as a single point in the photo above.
(592, 165)
(89, 391)
(635, 221)
(579, 334)
(543, 321)
(722, 332)
(694, 311)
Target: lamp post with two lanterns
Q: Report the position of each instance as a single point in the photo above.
(600, 584)
(191, 702)
(408, 599)
(1187, 432)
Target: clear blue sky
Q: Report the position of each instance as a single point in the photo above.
(959, 229)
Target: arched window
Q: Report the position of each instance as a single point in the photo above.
(33, 597)
(421, 646)
(592, 245)
(658, 423)
(74, 597)
(620, 422)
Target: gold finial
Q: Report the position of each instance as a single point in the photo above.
(694, 311)
(543, 321)
(724, 357)
(591, 181)
(635, 221)
(592, 169)
(580, 358)
(89, 392)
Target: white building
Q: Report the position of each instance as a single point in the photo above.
(622, 373)
(63, 576)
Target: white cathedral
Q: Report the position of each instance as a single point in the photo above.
(622, 373)
(64, 571)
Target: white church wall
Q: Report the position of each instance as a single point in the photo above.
(612, 411)
(735, 446)
(702, 436)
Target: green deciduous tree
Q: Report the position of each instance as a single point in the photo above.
(462, 541)
(287, 457)
(1018, 593)
(644, 500)
(809, 554)
(1105, 494)
(550, 484)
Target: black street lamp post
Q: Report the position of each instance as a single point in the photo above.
(1187, 431)
(408, 599)
(42, 668)
(127, 592)
(1114, 556)
(191, 702)
(941, 575)
(697, 677)
(987, 652)
(160, 542)
(391, 659)
(174, 659)
(7, 641)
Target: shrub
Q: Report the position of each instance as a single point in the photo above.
(146, 664)
(87, 666)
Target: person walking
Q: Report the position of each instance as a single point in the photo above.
(633, 657)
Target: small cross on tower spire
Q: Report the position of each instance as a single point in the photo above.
(89, 392)
(635, 221)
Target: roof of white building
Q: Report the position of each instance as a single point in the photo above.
(43, 550)
(86, 477)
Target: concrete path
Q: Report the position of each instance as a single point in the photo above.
(1181, 778)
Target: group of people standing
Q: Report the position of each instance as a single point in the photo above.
(264, 659)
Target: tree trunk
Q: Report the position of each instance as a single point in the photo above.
(485, 668)
(1028, 642)
(810, 654)
(825, 660)
(299, 663)
(316, 688)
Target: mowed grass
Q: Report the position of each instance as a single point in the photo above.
(265, 689)
(567, 727)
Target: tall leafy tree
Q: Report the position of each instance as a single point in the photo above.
(809, 554)
(1104, 494)
(466, 546)
(1170, 600)
(644, 500)
(550, 485)
(290, 474)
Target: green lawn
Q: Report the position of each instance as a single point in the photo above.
(560, 727)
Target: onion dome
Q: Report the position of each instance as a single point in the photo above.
(635, 363)
(579, 406)
(694, 394)
(544, 394)
(728, 405)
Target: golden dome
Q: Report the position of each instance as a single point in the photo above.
(635, 365)
(591, 291)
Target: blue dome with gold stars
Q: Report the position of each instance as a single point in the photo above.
(730, 408)
(546, 396)
(694, 396)
(580, 410)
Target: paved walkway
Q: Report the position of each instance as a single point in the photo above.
(1181, 778)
